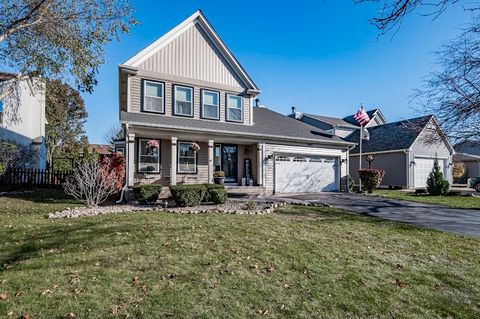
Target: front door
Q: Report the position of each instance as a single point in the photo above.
(230, 162)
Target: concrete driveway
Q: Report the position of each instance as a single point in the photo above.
(456, 220)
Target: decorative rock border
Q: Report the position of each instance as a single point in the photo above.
(231, 207)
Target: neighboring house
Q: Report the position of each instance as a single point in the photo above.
(406, 150)
(468, 152)
(22, 116)
(187, 89)
(338, 126)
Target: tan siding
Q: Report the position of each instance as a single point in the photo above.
(192, 55)
(136, 98)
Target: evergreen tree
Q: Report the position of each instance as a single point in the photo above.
(436, 184)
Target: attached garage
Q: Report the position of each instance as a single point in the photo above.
(423, 167)
(294, 174)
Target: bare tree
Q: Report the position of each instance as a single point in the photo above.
(91, 182)
(113, 134)
(59, 39)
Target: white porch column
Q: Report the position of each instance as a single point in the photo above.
(260, 164)
(210, 161)
(173, 166)
(131, 158)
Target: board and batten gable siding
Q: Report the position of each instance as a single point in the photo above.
(394, 165)
(277, 149)
(193, 55)
(136, 98)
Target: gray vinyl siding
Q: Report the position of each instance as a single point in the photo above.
(192, 55)
(394, 165)
(136, 98)
(273, 149)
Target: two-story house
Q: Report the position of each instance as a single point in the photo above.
(188, 109)
(22, 116)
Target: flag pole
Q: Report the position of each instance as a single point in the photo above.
(360, 159)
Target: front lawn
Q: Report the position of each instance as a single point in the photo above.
(299, 262)
(451, 201)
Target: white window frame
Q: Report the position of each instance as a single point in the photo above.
(139, 155)
(217, 106)
(228, 108)
(156, 97)
(178, 159)
(175, 100)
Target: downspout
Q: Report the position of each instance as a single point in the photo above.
(124, 188)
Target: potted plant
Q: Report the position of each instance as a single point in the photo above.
(219, 177)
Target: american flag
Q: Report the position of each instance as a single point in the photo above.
(362, 117)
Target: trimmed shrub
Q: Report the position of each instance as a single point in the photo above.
(207, 198)
(218, 195)
(436, 184)
(419, 191)
(371, 178)
(188, 195)
(145, 193)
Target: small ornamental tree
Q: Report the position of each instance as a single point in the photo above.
(91, 182)
(371, 178)
(115, 163)
(436, 184)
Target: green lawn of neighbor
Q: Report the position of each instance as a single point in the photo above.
(297, 263)
(451, 201)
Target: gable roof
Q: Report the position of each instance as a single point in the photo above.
(371, 114)
(195, 19)
(334, 121)
(268, 124)
(391, 136)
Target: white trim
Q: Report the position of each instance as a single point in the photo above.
(194, 157)
(234, 108)
(203, 104)
(145, 82)
(195, 19)
(129, 92)
(139, 156)
(380, 152)
(175, 87)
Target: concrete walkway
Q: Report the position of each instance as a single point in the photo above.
(456, 220)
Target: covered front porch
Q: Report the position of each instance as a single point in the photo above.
(170, 158)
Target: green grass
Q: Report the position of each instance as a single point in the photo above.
(297, 263)
(450, 201)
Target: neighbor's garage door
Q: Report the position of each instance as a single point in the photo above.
(295, 174)
(423, 167)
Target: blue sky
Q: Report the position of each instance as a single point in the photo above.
(320, 56)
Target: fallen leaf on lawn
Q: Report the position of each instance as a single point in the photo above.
(74, 280)
(172, 276)
(136, 280)
(144, 288)
(270, 269)
(254, 266)
(97, 263)
(26, 316)
(70, 315)
(263, 312)
(18, 293)
(3, 281)
(48, 291)
(3, 296)
(115, 309)
(286, 286)
(282, 306)
(400, 283)
(78, 290)
(10, 313)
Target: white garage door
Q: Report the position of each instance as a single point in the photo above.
(423, 167)
(295, 174)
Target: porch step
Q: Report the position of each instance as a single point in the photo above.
(245, 191)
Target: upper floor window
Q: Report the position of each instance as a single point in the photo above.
(183, 100)
(153, 97)
(234, 108)
(210, 105)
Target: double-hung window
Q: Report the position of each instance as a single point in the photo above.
(153, 97)
(210, 105)
(148, 156)
(187, 158)
(234, 108)
(183, 100)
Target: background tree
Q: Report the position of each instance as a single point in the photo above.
(113, 134)
(453, 92)
(59, 39)
(66, 114)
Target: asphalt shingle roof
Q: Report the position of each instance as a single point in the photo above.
(266, 123)
(331, 120)
(391, 136)
(352, 121)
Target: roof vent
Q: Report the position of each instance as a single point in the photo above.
(257, 102)
(296, 114)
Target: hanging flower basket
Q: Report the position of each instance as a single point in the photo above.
(194, 147)
(153, 144)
